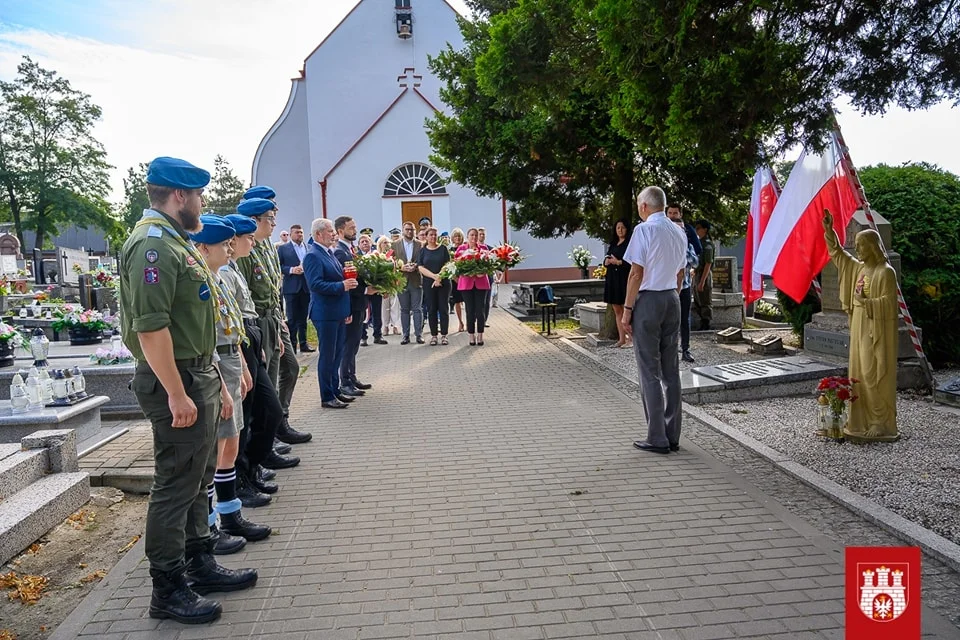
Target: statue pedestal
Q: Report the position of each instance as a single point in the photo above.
(828, 333)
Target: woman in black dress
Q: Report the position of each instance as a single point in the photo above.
(615, 282)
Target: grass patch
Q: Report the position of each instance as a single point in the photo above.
(312, 334)
(562, 323)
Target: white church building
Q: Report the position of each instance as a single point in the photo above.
(351, 138)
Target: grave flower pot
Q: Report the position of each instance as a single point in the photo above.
(584, 275)
(7, 358)
(82, 335)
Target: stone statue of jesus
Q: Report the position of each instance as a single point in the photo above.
(868, 293)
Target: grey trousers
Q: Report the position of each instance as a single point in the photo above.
(411, 301)
(656, 334)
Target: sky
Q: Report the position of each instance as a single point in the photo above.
(226, 67)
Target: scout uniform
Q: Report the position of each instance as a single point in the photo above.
(703, 300)
(162, 271)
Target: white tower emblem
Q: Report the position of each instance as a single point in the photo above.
(883, 595)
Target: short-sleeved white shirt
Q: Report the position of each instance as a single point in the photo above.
(660, 247)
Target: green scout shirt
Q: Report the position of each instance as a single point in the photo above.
(707, 255)
(157, 276)
(238, 286)
(257, 271)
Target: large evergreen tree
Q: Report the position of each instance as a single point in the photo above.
(225, 190)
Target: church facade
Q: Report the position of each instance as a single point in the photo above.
(351, 138)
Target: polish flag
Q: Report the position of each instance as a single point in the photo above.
(762, 202)
(792, 248)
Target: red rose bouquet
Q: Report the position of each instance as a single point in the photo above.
(476, 263)
(836, 391)
(508, 255)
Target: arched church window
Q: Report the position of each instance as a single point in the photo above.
(414, 179)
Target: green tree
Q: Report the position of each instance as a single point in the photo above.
(135, 200)
(53, 171)
(922, 203)
(225, 190)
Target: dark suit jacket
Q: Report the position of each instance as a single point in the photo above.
(358, 301)
(414, 280)
(292, 282)
(328, 299)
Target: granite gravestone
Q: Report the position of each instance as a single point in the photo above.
(66, 259)
(829, 331)
(727, 301)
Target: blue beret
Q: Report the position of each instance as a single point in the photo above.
(259, 191)
(215, 229)
(176, 174)
(445, 234)
(242, 224)
(255, 206)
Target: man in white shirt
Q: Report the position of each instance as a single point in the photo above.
(657, 254)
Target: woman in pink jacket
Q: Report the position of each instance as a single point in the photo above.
(474, 289)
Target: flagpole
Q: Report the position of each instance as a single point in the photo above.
(854, 178)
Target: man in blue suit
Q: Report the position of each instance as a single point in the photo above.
(296, 294)
(344, 251)
(329, 309)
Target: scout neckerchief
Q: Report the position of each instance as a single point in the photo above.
(231, 308)
(151, 218)
(268, 262)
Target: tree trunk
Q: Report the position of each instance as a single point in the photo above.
(623, 209)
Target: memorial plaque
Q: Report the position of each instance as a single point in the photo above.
(8, 264)
(66, 259)
(773, 371)
(948, 393)
(730, 335)
(833, 343)
(768, 345)
(724, 273)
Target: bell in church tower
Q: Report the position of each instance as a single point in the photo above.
(404, 19)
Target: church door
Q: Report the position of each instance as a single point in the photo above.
(413, 211)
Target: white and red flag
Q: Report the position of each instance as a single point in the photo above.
(762, 202)
(792, 249)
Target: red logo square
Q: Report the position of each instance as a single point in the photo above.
(883, 593)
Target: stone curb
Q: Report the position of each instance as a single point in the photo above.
(74, 623)
(933, 544)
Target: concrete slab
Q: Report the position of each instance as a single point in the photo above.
(768, 372)
(83, 417)
(948, 393)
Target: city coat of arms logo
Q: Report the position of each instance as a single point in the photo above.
(883, 590)
(882, 593)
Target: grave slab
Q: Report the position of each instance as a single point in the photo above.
(948, 393)
(84, 417)
(769, 372)
(592, 314)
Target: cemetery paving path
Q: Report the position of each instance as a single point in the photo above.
(493, 492)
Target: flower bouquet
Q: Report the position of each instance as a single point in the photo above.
(600, 272)
(110, 356)
(380, 272)
(509, 255)
(581, 256)
(84, 325)
(476, 263)
(833, 394)
(10, 335)
(448, 271)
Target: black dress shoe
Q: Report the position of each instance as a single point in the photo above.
(289, 435)
(334, 404)
(352, 392)
(204, 576)
(363, 343)
(362, 385)
(674, 447)
(250, 498)
(380, 341)
(173, 598)
(224, 544)
(265, 475)
(646, 446)
(261, 485)
(419, 340)
(306, 349)
(345, 399)
(281, 448)
(276, 461)
(405, 341)
(236, 525)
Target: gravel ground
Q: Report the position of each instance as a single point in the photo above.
(941, 584)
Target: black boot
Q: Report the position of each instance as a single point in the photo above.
(286, 433)
(263, 486)
(223, 543)
(275, 461)
(173, 598)
(249, 497)
(265, 474)
(236, 525)
(204, 575)
(281, 448)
